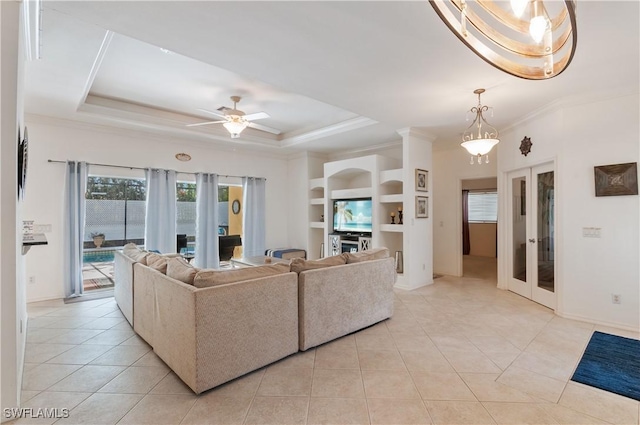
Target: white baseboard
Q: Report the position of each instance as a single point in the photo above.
(598, 322)
(406, 287)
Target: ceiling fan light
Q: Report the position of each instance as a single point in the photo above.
(235, 127)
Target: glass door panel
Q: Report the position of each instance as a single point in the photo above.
(519, 227)
(545, 231)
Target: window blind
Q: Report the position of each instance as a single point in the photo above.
(483, 207)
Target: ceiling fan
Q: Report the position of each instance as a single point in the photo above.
(235, 120)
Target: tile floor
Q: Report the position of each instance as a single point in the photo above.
(457, 352)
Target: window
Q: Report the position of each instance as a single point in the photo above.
(483, 207)
(186, 210)
(115, 207)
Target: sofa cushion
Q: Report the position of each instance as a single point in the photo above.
(132, 251)
(299, 265)
(179, 269)
(210, 277)
(157, 262)
(373, 254)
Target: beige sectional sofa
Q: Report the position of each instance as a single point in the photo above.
(213, 326)
(339, 300)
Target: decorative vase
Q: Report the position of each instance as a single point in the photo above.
(322, 250)
(98, 241)
(399, 260)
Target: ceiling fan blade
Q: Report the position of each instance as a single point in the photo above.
(264, 128)
(217, 114)
(205, 123)
(256, 116)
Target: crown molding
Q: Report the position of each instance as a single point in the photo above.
(330, 130)
(32, 21)
(163, 120)
(307, 154)
(167, 139)
(416, 132)
(97, 63)
(569, 102)
(366, 150)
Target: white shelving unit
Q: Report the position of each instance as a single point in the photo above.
(360, 192)
(397, 228)
(392, 199)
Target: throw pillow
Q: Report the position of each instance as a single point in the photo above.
(132, 251)
(299, 265)
(157, 262)
(179, 269)
(207, 278)
(373, 254)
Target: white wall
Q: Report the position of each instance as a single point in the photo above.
(12, 292)
(62, 140)
(298, 200)
(580, 137)
(417, 240)
(450, 167)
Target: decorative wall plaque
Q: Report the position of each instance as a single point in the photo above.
(525, 145)
(617, 179)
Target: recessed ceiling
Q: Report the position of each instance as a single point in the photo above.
(332, 75)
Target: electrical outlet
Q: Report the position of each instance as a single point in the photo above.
(615, 299)
(591, 232)
(32, 280)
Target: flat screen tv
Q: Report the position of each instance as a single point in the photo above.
(352, 215)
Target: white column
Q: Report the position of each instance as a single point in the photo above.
(418, 232)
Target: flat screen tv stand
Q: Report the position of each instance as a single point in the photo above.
(349, 242)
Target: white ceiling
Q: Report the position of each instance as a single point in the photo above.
(332, 75)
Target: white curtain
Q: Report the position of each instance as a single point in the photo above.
(253, 219)
(207, 255)
(160, 217)
(74, 206)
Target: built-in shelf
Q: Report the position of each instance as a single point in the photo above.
(317, 224)
(32, 239)
(316, 183)
(388, 199)
(391, 227)
(391, 176)
(317, 201)
(361, 192)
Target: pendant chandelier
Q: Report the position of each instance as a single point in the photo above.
(480, 137)
(531, 39)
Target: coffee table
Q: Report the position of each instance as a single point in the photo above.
(258, 260)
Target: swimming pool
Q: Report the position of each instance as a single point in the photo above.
(98, 256)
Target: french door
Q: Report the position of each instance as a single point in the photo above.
(532, 234)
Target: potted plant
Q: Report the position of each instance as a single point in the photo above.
(98, 239)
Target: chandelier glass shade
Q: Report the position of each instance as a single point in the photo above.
(531, 39)
(235, 125)
(480, 137)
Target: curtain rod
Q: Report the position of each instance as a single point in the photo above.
(144, 169)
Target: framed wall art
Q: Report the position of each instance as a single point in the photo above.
(422, 180)
(422, 207)
(616, 179)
